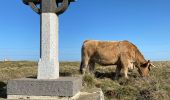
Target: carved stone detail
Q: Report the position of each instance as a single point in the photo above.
(48, 6)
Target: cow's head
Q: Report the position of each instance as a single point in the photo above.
(145, 68)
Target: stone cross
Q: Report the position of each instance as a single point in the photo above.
(49, 10)
(48, 85)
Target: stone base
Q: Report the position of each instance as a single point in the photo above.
(16, 97)
(64, 86)
(92, 94)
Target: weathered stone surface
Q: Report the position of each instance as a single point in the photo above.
(48, 6)
(92, 94)
(64, 86)
(48, 66)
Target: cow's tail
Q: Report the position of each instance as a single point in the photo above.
(81, 64)
(84, 58)
(81, 68)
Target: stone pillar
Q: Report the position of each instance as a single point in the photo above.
(48, 65)
(49, 10)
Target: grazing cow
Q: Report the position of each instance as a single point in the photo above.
(124, 54)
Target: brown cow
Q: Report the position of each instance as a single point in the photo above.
(124, 54)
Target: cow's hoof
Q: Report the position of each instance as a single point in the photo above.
(126, 78)
(115, 78)
(81, 71)
(130, 70)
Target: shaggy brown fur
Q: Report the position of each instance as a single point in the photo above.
(124, 54)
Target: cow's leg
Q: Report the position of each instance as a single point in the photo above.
(91, 66)
(84, 65)
(118, 69)
(125, 69)
(130, 65)
(126, 72)
(125, 65)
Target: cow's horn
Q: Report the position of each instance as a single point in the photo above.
(152, 65)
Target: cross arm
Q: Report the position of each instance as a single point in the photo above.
(63, 7)
(48, 6)
(32, 4)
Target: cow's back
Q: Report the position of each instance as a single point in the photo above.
(102, 52)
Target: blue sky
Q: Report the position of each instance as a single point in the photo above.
(145, 23)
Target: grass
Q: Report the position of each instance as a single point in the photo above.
(155, 87)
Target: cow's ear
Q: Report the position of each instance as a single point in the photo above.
(145, 65)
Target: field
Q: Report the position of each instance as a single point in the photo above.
(154, 87)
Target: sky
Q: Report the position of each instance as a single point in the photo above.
(146, 23)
